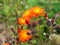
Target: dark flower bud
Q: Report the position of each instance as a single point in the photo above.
(52, 21)
(27, 22)
(28, 33)
(40, 21)
(13, 42)
(33, 24)
(33, 31)
(54, 25)
(57, 28)
(46, 16)
(47, 36)
(48, 23)
(17, 39)
(8, 42)
(18, 29)
(12, 30)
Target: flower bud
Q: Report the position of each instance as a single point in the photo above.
(33, 24)
(48, 23)
(40, 21)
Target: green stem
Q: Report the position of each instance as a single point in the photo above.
(40, 36)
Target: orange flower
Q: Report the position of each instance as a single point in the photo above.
(6, 44)
(27, 14)
(23, 36)
(38, 11)
(27, 18)
(34, 12)
(21, 21)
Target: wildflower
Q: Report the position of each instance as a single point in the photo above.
(27, 14)
(21, 21)
(25, 35)
(38, 11)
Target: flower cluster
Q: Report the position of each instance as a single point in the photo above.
(28, 14)
(36, 11)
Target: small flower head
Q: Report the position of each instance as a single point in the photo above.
(21, 21)
(33, 24)
(38, 11)
(25, 35)
(27, 14)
